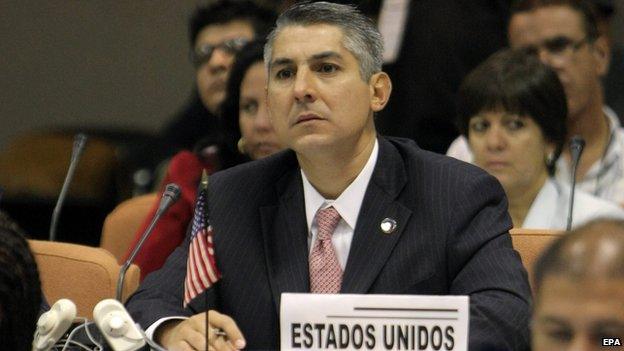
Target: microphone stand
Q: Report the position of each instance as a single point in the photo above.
(576, 149)
(169, 197)
(79, 143)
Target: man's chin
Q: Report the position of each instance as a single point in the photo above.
(212, 101)
(313, 143)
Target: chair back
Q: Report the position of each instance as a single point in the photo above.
(37, 163)
(530, 243)
(86, 275)
(121, 225)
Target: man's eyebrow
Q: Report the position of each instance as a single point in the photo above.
(281, 61)
(551, 320)
(609, 323)
(326, 54)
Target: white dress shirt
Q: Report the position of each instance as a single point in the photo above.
(549, 210)
(348, 205)
(605, 178)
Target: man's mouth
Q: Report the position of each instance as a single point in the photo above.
(307, 117)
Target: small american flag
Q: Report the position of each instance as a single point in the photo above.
(201, 269)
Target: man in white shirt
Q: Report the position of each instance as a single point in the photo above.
(343, 211)
(564, 35)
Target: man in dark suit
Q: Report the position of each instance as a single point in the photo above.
(343, 211)
(579, 289)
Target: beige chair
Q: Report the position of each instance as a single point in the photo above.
(123, 222)
(530, 243)
(86, 275)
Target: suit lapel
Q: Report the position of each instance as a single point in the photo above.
(284, 229)
(371, 247)
(284, 232)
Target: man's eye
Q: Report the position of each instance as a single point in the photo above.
(557, 45)
(328, 68)
(284, 74)
(561, 335)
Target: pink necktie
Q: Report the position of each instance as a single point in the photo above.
(325, 271)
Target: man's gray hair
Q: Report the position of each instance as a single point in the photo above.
(361, 36)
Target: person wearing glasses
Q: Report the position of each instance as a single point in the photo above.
(564, 35)
(216, 33)
(512, 110)
(219, 32)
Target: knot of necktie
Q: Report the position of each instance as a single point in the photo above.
(327, 220)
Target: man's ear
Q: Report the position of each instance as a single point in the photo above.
(602, 55)
(380, 88)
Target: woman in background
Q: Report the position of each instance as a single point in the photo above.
(249, 136)
(512, 109)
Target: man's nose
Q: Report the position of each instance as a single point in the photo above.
(583, 343)
(304, 88)
(549, 59)
(220, 61)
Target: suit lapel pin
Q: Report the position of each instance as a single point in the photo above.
(388, 225)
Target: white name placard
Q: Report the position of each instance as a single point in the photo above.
(373, 322)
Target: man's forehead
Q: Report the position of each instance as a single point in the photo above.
(591, 286)
(297, 41)
(522, 29)
(216, 33)
(558, 20)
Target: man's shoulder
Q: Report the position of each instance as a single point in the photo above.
(425, 161)
(257, 174)
(433, 177)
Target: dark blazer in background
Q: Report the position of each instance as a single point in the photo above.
(443, 40)
(452, 238)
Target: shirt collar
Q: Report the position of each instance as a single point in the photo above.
(543, 206)
(348, 204)
(613, 147)
(612, 153)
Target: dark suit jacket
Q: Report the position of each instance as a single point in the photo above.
(452, 238)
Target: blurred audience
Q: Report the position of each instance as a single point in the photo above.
(245, 116)
(216, 33)
(20, 289)
(579, 283)
(442, 41)
(512, 109)
(564, 35)
(431, 60)
(614, 80)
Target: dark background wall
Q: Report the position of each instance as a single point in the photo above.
(92, 63)
(100, 63)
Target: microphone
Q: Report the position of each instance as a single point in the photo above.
(577, 143)
(169, 197)
(79, 144)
